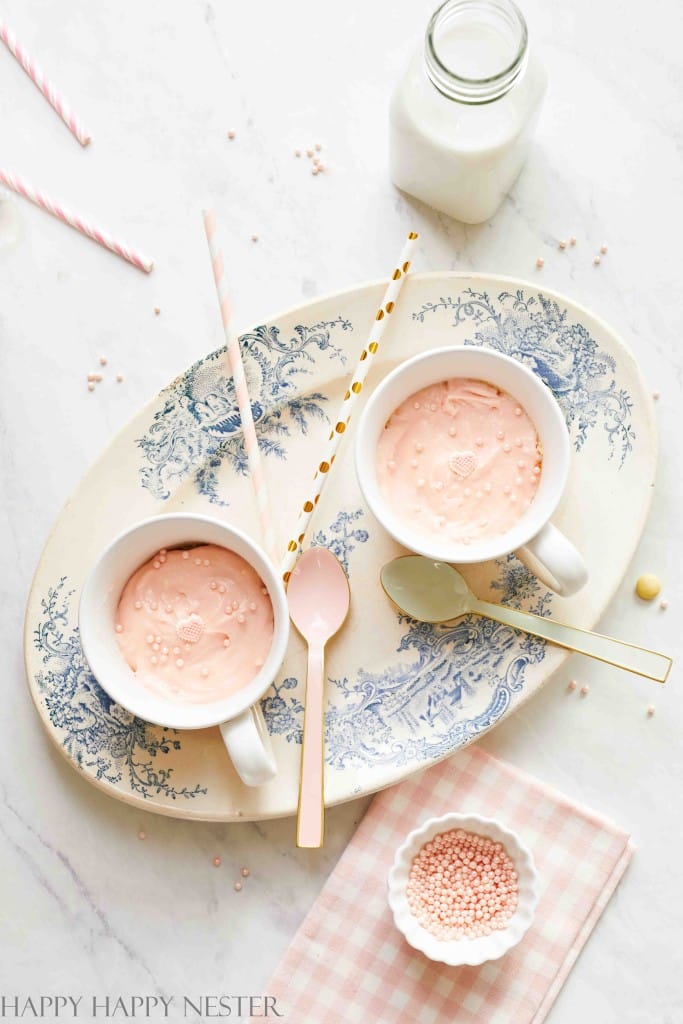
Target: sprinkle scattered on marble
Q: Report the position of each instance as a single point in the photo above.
(648, 586)
(103, 360)
(597, 261)
(650, 711)
(245, 872)
(664, 604)
(216, 862)
(142, 835)
(462, 885)
(655, 395)
(91, 386)
(540, 262)
(584, 691)
(231, 135)
(603, 249)
(562, 244)
(571, 685)
(237, 886)
(572, 240)
(254, 238)
(119, 378)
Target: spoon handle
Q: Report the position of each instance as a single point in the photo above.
(311, 819)
(604, 648)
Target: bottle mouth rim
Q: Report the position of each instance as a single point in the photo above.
(476, 90)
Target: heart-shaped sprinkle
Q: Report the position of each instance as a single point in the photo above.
(462, 463)
(190, 630)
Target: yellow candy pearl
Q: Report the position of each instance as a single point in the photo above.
(648, 586)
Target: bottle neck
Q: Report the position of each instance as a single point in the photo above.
(475, 50)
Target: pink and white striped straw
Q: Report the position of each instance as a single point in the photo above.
(24, 188)
(258, 479)
(48, 88)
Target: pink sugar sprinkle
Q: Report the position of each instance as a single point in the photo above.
(462, 885)
(216, 862)
(237, 886)
(571, 685)
(103, 360)
(584, 691)
(142, 835)
(91, 386)
(245, 872)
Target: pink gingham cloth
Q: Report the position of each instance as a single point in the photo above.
(348, 964)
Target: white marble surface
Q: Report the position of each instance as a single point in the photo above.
(86, 907)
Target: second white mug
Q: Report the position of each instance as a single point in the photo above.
(549, 554)
(239, 715)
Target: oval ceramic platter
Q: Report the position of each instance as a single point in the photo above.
(401, 695)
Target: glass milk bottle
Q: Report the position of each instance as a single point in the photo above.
(463, 116)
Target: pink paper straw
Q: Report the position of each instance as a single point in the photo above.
(23, 188)
(237, 369)
(48, 88)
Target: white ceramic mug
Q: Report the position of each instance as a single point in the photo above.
(239, 716)
(551, 556)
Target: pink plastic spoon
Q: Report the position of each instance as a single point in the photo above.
(318, 595)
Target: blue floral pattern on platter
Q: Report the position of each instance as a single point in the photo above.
(198, 427)
(420, 708)
(368, 712)
(534, 330)
(97, 733)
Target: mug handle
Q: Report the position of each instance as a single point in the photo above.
(555, 561)
(248, 743)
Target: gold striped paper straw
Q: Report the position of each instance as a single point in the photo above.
(256, 475)
(350, 398)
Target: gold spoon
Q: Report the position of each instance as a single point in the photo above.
(436, 592)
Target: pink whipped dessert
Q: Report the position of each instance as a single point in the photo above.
(459, 460)
(195, 625)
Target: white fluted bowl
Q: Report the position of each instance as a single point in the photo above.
(458, 952)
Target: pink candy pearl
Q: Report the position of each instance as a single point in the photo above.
(462, 885)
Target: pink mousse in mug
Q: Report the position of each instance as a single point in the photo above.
(195, 624)
(461, 459)
(184, 622)
(463, 455)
